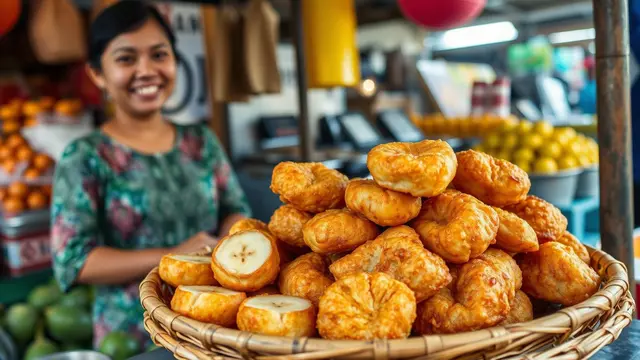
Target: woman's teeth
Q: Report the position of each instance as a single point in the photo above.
(147, 90)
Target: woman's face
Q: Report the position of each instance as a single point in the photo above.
(138, 70)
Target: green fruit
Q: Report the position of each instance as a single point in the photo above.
(78, 298)
(69, 324)
(119, 345)
(40, 347)
(21, 322)
(73, 346)
(44, 295)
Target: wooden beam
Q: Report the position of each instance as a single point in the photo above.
(614, 131)
(218, 121)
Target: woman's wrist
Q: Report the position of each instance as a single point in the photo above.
(228, 222)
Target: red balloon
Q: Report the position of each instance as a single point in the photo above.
(9, 14)
(441, 14)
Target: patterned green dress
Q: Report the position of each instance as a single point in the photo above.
(106, 194)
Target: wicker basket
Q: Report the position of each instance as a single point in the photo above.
(575, 332)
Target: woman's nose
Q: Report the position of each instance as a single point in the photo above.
(145, 67)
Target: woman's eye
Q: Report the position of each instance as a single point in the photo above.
(125, 59)
(160, 55)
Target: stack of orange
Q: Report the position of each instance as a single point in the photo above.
(14, 150)
(19, 197)
(19, 113)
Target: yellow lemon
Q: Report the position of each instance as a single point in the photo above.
(545, 165)
(523, 155)
(532, 141)
(504, 155)
(567, 162)
(524, 127)
(543, 128)
(492, 141)
(552, 150)
(510, 141)
(584, 160)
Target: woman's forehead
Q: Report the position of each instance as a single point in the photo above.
(147, 36)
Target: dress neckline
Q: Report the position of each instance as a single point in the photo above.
(176, 144)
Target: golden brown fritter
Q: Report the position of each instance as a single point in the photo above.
(286, 224)
(366, 306)
(456, 226)
(493, 181)
(398, 252)
(382, 206)
(556, 274)
(307, 276)
(480, 298)
(566, 238)
(546, 220)
(423, 168)
(514, 234)
(337, 231)
(310, 187)
(521, 309)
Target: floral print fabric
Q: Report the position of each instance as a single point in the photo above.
(106, 194)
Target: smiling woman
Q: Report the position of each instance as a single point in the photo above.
(138, 187)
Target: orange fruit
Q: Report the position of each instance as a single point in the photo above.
(31, 174)
(18, 190)
(31, 122)
(36, 200)
(42, 162)
(13, 205)
(9, 127)
(31, 108)
(24, 153)
(5, 152)
(47, 102)
(3, 194)
(15, 140)
(9, 166)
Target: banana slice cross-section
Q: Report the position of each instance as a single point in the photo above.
(210, 304)
(277, 315)
(178, 270)
(246, 261)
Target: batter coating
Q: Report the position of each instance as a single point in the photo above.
(546, 220)
(382, 206)
(307, 277)
(480, 298)
(310, 187)
(337, 231)
(514, 234)
(286, 224)
(248, 224)
(398, 252)
(566, 238)
(365, 307)
(493, 181)
(423, 168)
(456, 226)
(556, 274)
(521, 309)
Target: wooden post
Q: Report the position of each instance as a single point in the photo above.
(303, 120)
(614, 131)
(219, 121)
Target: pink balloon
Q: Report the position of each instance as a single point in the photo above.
(441, 14)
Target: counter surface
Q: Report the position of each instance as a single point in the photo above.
(626, 347)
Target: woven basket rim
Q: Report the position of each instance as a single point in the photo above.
(614, 287)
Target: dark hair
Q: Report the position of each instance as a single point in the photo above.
(122, 17)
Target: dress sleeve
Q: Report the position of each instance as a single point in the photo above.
(233, 199)
(74, 222)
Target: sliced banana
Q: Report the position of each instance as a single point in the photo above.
(277, 315)
(178, 270)
(246, 261)
(210, 304)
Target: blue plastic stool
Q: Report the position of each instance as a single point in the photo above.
(584, 220)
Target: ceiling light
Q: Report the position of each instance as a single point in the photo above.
(477, 35)
(572, 36)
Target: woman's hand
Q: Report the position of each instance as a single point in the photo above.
(196, 243)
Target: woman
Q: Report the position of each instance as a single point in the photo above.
(138, 187)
